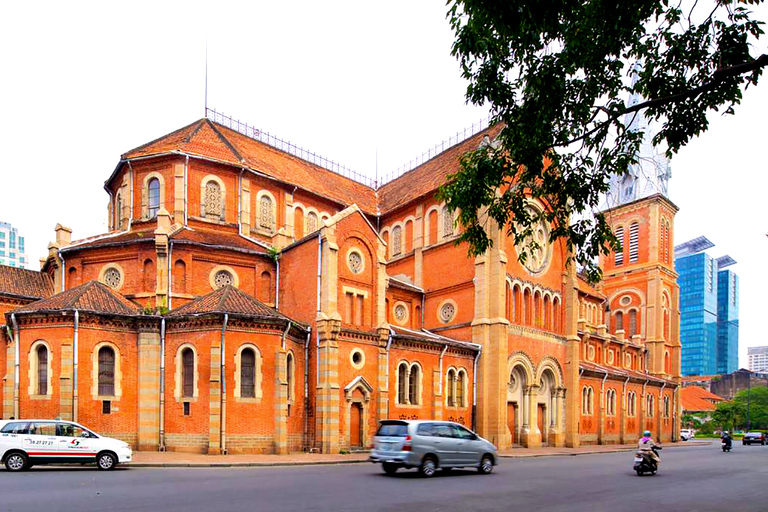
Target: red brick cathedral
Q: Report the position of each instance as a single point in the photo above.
(247, 300)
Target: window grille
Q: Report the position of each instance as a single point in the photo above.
(106, 371)
(188, 372)
(265, 217)
(619, 256)
(397, 240)
(42, 370)
(634, 234)
(212, 204)
(447, 222)
(248, 373)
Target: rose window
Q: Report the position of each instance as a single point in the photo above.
(222, 278)
(400, 312)
(447, 312)
(355, 262)
(112, 277)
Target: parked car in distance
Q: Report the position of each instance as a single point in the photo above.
(753, 438)
(686, 434)
(26, 443)
(429, 445)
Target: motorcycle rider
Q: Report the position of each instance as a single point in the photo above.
(646, 445)
(727, 439)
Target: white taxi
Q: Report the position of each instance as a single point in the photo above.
(25, 443)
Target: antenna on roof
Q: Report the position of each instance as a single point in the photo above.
(206, 77)
(376, 172)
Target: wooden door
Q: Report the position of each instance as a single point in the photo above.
(540, 420)
(355, 425)
(512, 420)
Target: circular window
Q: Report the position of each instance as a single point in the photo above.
(625, 300)
(355, 262)
(628, 361)
(357, 358)
(400, 312)
(112, 277)
(610, 357)
(591, 353)
(447, 312)
(222, 279)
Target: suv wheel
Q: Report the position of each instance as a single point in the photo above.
(428, 467)
(486, 465)
(16, 461)
(389, 468)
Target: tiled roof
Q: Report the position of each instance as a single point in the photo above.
(619, 372)
(92, 296)
(228, 299)
(21, 282)
(212, 140)
(698, 378)
(430, 337)
(430, 175)
(106, 239)
(694, 398)
(398, 282)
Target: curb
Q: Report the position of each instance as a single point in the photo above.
(594, 452)
(240, 464)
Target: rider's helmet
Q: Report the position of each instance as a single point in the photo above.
(726, 433)
(647, 433)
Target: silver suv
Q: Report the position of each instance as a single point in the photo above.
(429, 445)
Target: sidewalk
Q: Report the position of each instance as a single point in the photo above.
(180, 460)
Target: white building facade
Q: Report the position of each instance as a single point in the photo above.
(758, 359)
(12, 250)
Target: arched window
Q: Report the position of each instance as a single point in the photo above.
(72, 277)
(634, 239)
(248, 373)
(266, 220)
(527, 310)
(451, 388)
(289, 375)
(618, 257)
(188, 373)
(586, 397)
(432, 219)
(42, 370)
(666, 407)
(213, 207)
(547, 313)
(447, 222)
(266, 286)
(649, 403)
(106, 371)
(311, 222)
(402, 383)
(150, 274)
(618, 321)
(413, 384)
(631, 403)
(298, 223)
(633, 323)
(397, 240)
(460, 384)
(153, 201)
(611, 402)
(180, 277)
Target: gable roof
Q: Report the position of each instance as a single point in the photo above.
(695, 398)
(208, 139)
(20, 282)
(230, 300)
(92, 296)
(429, 175)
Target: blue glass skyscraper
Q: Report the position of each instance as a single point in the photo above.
(708, 310)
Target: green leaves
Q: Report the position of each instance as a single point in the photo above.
(557, 76)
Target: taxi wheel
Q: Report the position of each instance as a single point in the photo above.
(16, 461)
(106, 461)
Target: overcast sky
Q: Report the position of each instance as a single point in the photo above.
(83, 83)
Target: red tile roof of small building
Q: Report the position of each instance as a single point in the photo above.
(21, 282)
(695, 398)
(92, 296)
(208, 139)
(231, 300)
(698, 378)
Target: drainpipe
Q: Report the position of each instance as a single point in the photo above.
(645, 401)
(170, 276)
(285, 333)
(389, 344)
(474, 386)
(186, 184)
(162, 385)
(602, 412)
(661, 405)
(223, 442)
(74, 366)
(442, 353)
(15, 367)
(277, 282)
(133, 174)
(306, 384)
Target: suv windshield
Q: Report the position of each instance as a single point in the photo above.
(393, 430)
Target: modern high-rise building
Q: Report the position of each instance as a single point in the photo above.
(709, 309)
(11, 247)
(758, 359)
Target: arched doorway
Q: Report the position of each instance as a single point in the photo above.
(517, 417)
(547, 406)
(356, 425)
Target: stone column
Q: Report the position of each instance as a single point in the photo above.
(8, 379)
(572, 358)
(557, 426)
(214, 404)
(418, 247)
(437, 396)
(327, 409)
(281, 402)
(532, 437)
(245, 206)
(178, 193)
(149, 388)
(382, 404)
(65, 381)
(162, 234)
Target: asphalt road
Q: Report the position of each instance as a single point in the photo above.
(690, 479)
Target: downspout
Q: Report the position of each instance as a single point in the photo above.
(422, 310)
(623, 430)
(319, 279)
(645, 402)
(389, 344)
(605, 405)
(63, 273)
(162, 385)
(186, 184)
(285, 333)
(74, 366)
(170, 276)
(474, 386)
(277, 282)
(442, 353)
(133, 174)
(15, 366)
(661, 407)
(223, 442)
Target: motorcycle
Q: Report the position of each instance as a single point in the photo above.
(727, 445)
(645, 463)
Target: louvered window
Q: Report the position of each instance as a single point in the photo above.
(106, 371)
(634, 233)
(42, 370)
(447, 222)
(633, 323)
(311, 222)
(397, 240)
(212, 201)
(619, 256)
(265, 214)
